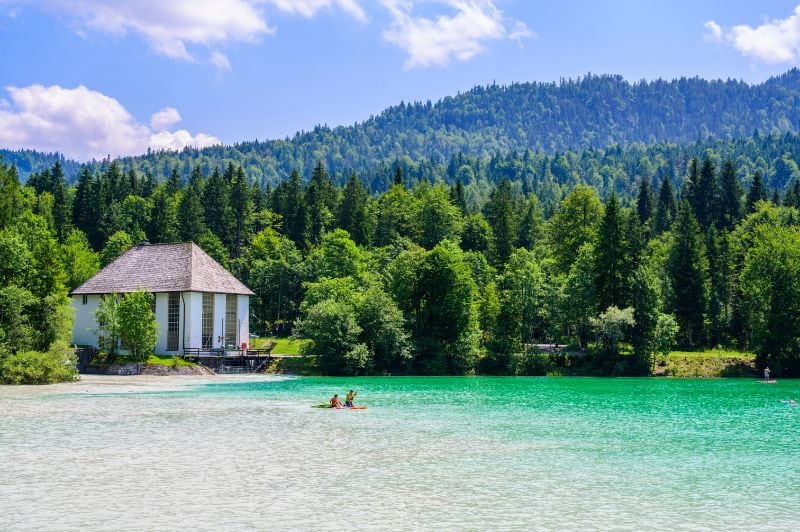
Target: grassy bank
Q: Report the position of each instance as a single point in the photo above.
(283, 346)
(710, 363)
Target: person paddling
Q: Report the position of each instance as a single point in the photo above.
(335, 401)
(348, 400)
(766, 374)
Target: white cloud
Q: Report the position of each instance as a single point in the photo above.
(309, 8)
(174, 28)
(169, 27)
(220, 61)
(774, 41)
(86, 124)
(177, 140)
(714, 31)
(460, 35)
(165, 118)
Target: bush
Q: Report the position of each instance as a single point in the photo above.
(37, 367)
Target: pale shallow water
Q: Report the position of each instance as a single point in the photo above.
(430, 453)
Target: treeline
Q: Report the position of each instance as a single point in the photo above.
(424, 279)
(550, 177)
(572, 115)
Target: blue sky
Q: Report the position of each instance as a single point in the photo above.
(87, 77)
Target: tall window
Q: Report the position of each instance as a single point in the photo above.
(230, 321)
(208, 320)
(173, 320)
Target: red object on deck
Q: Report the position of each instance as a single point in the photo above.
(244, 346)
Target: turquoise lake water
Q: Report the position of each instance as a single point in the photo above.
(430, 453)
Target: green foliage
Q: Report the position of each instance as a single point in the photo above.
(119, 243)
(138, 329)
(38, 367)
(80, 261)
(771, 290)
(332, 327)
(108, 330)
(574, 224)
(688, 272)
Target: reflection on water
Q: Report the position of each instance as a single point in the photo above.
(437, 453)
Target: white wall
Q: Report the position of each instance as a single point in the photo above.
(192, 335)
(243, 314)
(162, 300)
(82, 332)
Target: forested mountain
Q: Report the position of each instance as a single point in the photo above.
(547, 118)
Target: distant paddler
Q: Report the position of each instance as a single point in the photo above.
(766, 374)
(348, 400)
(336, 402)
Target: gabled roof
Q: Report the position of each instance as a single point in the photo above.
(164, 268)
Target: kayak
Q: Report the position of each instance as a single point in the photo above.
(328, 405)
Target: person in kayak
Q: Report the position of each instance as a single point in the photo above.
(336, 402)
(348, 400)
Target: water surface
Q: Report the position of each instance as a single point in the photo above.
(430, 453)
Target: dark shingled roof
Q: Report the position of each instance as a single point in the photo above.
(164, 268)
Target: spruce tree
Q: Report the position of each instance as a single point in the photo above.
(398, 175)
(705, 195)
(191, 224)
(500, 212)
(688, 272)
(756, 193)
(610, 267)
(531, 227)
(217, 208)
(458, 197)
(730, 204)
(320, 201)
(164, 218)
(174, 181)
(242, 208)
(645, 207)
(666, 210)
(352, 216)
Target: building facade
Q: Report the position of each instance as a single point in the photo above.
(198, 304)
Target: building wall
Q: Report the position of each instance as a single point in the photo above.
(190, 336)
(162, 300)
(82, 333)
(243, 313)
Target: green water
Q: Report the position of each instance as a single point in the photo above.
(429, 453)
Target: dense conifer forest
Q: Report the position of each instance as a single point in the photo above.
(621, 219)
(426, 278)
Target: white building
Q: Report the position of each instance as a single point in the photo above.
(198, 303)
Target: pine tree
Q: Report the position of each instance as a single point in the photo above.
(164, 218)
(174, 181)
(320, 201)
(458, 197)
(691, 182)
(398, 175)
(705, 195)
(217, 208)
(62, 209)
(756, 193)
(352, 215)
(293, 209)
(645, 203)
(645, 301)
(730, 204)
(191, 224)
(10, 196)
(531, 228)
(666, 210)
(242, 208)
(500, 212)
(84, 205)
(688, 272)
(610, 267)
